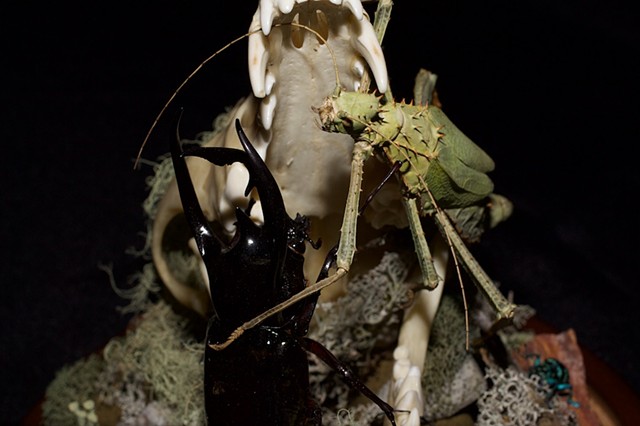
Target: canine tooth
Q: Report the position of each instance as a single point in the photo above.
(285, 6)
(367, 45)
(268, 11)
(258, 59)
(355, 6)
(267, 109)
(338, 2)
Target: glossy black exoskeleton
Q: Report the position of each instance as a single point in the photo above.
(263, 377)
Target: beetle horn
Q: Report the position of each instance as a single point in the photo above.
(275, 214)
(254, 250)
(208, 242)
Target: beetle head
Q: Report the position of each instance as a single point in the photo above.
(255, 269)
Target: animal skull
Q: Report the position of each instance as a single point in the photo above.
(291, 70)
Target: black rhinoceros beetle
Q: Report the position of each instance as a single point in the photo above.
(263, 377)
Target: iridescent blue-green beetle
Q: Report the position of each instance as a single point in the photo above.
(556, 375)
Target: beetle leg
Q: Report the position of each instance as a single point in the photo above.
(302, 321)
(505, 309)
(352, 380)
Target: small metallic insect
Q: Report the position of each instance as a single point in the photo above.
(264, 377)
(556, 375)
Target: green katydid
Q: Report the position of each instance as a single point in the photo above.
(455, 180)
(442, 169)
(439, 170)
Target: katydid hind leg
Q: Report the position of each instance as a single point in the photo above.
(430, 277)
(504, 309)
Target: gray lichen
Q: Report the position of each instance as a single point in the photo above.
(73, 383)
(354, 328)
(153, 374)
(517, 399)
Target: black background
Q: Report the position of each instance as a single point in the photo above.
(548, 88)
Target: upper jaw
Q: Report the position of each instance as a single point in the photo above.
(363, 38)
(269, 9)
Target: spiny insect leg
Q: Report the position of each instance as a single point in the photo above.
(347, 246)
(429, 275)
(504, 309)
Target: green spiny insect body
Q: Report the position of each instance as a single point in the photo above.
(442, 171)
(435, 153)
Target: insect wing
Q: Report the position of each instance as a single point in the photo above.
(460, 160)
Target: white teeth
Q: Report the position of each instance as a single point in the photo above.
(267, 12)
(285, 6)
(355, 6)
(365, 42)
(258, 58)
(367, 45)
(406, 392)
(402, 364)
(269, 9)
(267, 109)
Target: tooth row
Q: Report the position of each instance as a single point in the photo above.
(406, 389)
(269, 9)
(364, 41)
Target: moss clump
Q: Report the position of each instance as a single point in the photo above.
(72, 384)
(153, 374)
(451, 378)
